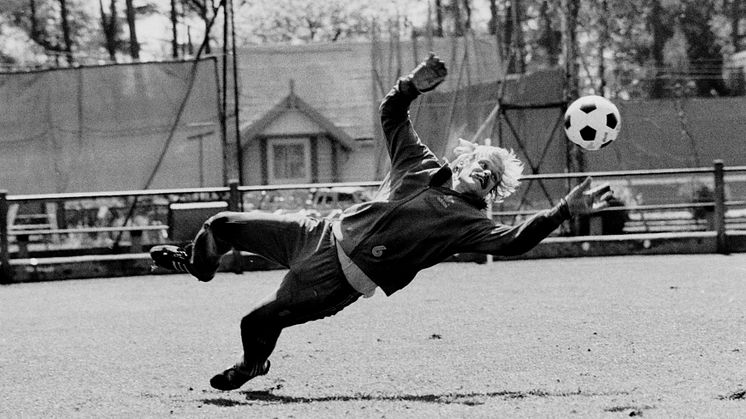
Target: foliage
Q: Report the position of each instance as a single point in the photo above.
(633, 48)
(37, 38)
(301, 21)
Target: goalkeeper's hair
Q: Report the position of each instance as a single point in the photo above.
(510, 165)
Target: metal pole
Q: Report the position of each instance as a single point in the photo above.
(6, 274)
(721, 236)
(234, 198)
(224, 95)
(488, 142)
(234, 204)
(236, 95)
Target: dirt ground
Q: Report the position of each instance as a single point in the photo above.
(658, 336)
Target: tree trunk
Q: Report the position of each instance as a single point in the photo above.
(439, 18)
(736, 9)
(134, 44)
(458, 25)
(508, 39)
(602, 41)
(575, 160)
(655, 23)
(494, 22)
(517, 12)
(569, 46)
(206, 18)
(549, 37)
(66, 32)
(109, 26)
(174, 34)
(467, 12)
(34, 23)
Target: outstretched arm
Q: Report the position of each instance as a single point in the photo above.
(428, 74)
(404, 146)
(514, 240)
(582, 200)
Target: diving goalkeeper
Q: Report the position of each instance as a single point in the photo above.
(432, 211)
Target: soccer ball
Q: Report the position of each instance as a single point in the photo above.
(592, 122)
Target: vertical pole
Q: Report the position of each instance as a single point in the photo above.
(236, 94)
(6, 274)
(572, 68)
(574, 155)
(488, 142)
(721, 237)
(223, 97)
(235, 204)
(234, 198)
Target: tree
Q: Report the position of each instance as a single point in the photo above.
(66, 36)
(660, 32)
(517, 61)
(736, 13)
(439, 18)
(204, 10)
(549, 38)
(705, 56)
(174, 31)
(111, 28)
(57, 27)
(621, 47)
(299, 21)
(134, 44)
(40, 33)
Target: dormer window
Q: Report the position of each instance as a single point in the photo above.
(289, 160)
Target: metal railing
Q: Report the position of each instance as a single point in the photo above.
(250, 197)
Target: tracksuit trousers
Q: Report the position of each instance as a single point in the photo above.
(314, 287)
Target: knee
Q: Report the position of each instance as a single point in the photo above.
(220, 218)
(256, 322)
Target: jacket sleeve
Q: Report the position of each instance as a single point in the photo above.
(502, 240)
(403, 144)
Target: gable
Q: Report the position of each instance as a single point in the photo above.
(333, 78)
(292, 122)
(294, 116)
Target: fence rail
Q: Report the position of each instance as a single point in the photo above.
(720, 214)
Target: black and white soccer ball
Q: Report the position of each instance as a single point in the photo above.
(592, 122)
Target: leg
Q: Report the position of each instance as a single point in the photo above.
(279, 238)
(291, 305)
(314, 288)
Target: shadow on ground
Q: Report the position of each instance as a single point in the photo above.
(469, 399)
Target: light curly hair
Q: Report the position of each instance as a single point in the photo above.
(511, 167)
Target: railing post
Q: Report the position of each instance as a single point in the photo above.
(234, 198)
(721, 237)
(490, 258)
(6, 273)
(235, 204)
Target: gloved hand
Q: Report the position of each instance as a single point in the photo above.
(582, 200)
(428, 74)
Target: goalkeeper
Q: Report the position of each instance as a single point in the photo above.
(432, 211)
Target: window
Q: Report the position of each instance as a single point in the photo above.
(289, 160)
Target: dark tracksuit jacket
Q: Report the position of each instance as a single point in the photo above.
(424, 221)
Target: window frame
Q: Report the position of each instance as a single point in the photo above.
(286, 141)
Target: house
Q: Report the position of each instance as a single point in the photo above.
(294, 143)
(306, 114)
(309, 113)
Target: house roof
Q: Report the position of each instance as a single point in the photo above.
(292, 102)
(345, 81)
(334, 79)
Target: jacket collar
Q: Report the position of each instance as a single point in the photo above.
(444, 178)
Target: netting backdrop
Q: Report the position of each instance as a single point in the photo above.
(105, 128)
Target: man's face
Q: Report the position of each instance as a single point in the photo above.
(477, 176)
